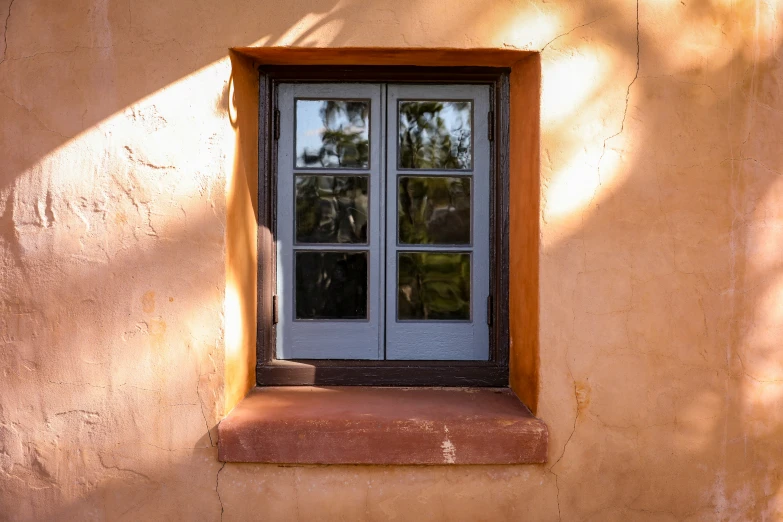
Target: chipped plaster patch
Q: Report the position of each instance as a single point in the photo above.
(449, 450)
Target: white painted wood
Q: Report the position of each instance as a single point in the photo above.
(441, 340)
(328, 339)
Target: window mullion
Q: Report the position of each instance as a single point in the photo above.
(384, 171)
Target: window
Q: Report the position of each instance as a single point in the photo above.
(385, 192)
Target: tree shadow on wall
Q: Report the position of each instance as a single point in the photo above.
(659, 304)
(119, 54)
(663, 375)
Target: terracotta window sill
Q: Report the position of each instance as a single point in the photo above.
(366, 425)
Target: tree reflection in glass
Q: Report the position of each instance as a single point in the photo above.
(331, 285)
(435, 135)
(332, 133)
(434, 210)
(433, 285)
(331, 209)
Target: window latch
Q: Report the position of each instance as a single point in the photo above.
(490, 310)
(274, 309)
(491, 125)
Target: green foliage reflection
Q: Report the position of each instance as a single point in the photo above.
(433, 285)
(344, 137)
(434, 210)
(331, 209)
(435, 135)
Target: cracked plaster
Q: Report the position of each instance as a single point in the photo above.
(661, 282)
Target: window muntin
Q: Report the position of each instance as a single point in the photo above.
(417, 211)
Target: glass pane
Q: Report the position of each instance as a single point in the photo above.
(331, 285)
(332, 133)
(435, 135)
(433, 210)
(331, 209)
(433, 285)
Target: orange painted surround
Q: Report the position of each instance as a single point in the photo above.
(241, 255)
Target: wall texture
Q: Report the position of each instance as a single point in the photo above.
(661, 284)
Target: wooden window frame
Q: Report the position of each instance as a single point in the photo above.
(493, 372)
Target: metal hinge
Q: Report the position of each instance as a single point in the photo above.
(491, 125)
(274, 309)
(277, 124)
(490, 310)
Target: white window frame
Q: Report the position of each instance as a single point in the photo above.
(381, 336)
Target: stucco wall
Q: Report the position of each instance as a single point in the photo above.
(661, 284)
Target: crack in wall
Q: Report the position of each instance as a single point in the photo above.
(5, 32)
(126, 470)
(557, 486)
(66, 51)
(573, 430)
(201, 405)
(35, 117)
(571, 31)
(217, 491)
(557, 477)
(627, 98)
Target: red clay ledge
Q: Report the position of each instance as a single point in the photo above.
(365, 425)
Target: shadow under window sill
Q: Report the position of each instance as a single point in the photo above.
(373, 425)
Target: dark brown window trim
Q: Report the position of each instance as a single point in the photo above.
(494, 372)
